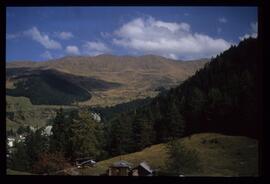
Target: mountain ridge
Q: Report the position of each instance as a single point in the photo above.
(107, 55)
(139, 76)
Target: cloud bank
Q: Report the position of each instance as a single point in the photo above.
(93, 48)
(168, 39)
(72, 50)
(253, 33)
(42, 38)
(64, 35)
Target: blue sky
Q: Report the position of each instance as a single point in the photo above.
(43, 33)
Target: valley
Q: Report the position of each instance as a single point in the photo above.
(137, 91)
(134, 116)
(36, 90)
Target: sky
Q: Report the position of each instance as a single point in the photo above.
(180, 33)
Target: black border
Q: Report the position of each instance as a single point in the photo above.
(262, 16)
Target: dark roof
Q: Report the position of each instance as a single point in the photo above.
(87, 161)
(121, 163)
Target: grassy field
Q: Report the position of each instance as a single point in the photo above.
(20, 111)
(219, 155)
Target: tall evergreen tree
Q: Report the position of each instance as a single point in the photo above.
(58, 138)
(84, 136)
(175, 122)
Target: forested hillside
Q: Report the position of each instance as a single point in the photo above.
(223, 97)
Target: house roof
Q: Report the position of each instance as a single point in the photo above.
(121, 163)
(87, 161)
(146, 166)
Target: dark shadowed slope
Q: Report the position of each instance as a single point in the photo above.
(53, 87)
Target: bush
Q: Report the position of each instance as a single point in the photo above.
(50, 162)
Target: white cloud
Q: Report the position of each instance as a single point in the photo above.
(222, 20)
(171, 26)
(254, 31)
(43, 39)
(64, 35)
(254, 28)
(73, 50)
(105, 34)
(95, 48)
(168, 39)
(46, 55)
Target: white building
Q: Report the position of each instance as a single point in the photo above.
(11, 141)
(96, 116)
(21, 138)
(47, 131)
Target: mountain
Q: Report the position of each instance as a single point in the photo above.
(125, 77)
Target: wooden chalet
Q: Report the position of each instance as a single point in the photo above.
(143, 169)
(84, 162)
(120, 168)
(123, 168)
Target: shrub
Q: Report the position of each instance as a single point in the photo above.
(50, 162)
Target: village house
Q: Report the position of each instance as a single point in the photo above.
(120, 168)
(10, 141)
(47, 131)
(96, 116)
(84, 162)
(21, 138)
(123, 168)
(143, 169)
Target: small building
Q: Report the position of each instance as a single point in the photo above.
(143, 169)
(10, 141)
(47, 131)
(120, 168)
(96, 116)
(21, 138)
(84, 162)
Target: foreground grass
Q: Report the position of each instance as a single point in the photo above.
(219, 155)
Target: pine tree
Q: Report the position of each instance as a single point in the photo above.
(83, 136)
(19, 158)
(175, 122)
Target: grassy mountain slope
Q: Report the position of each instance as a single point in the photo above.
(21, 112)
(219, 155)
(226, 156)
(138, 76)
